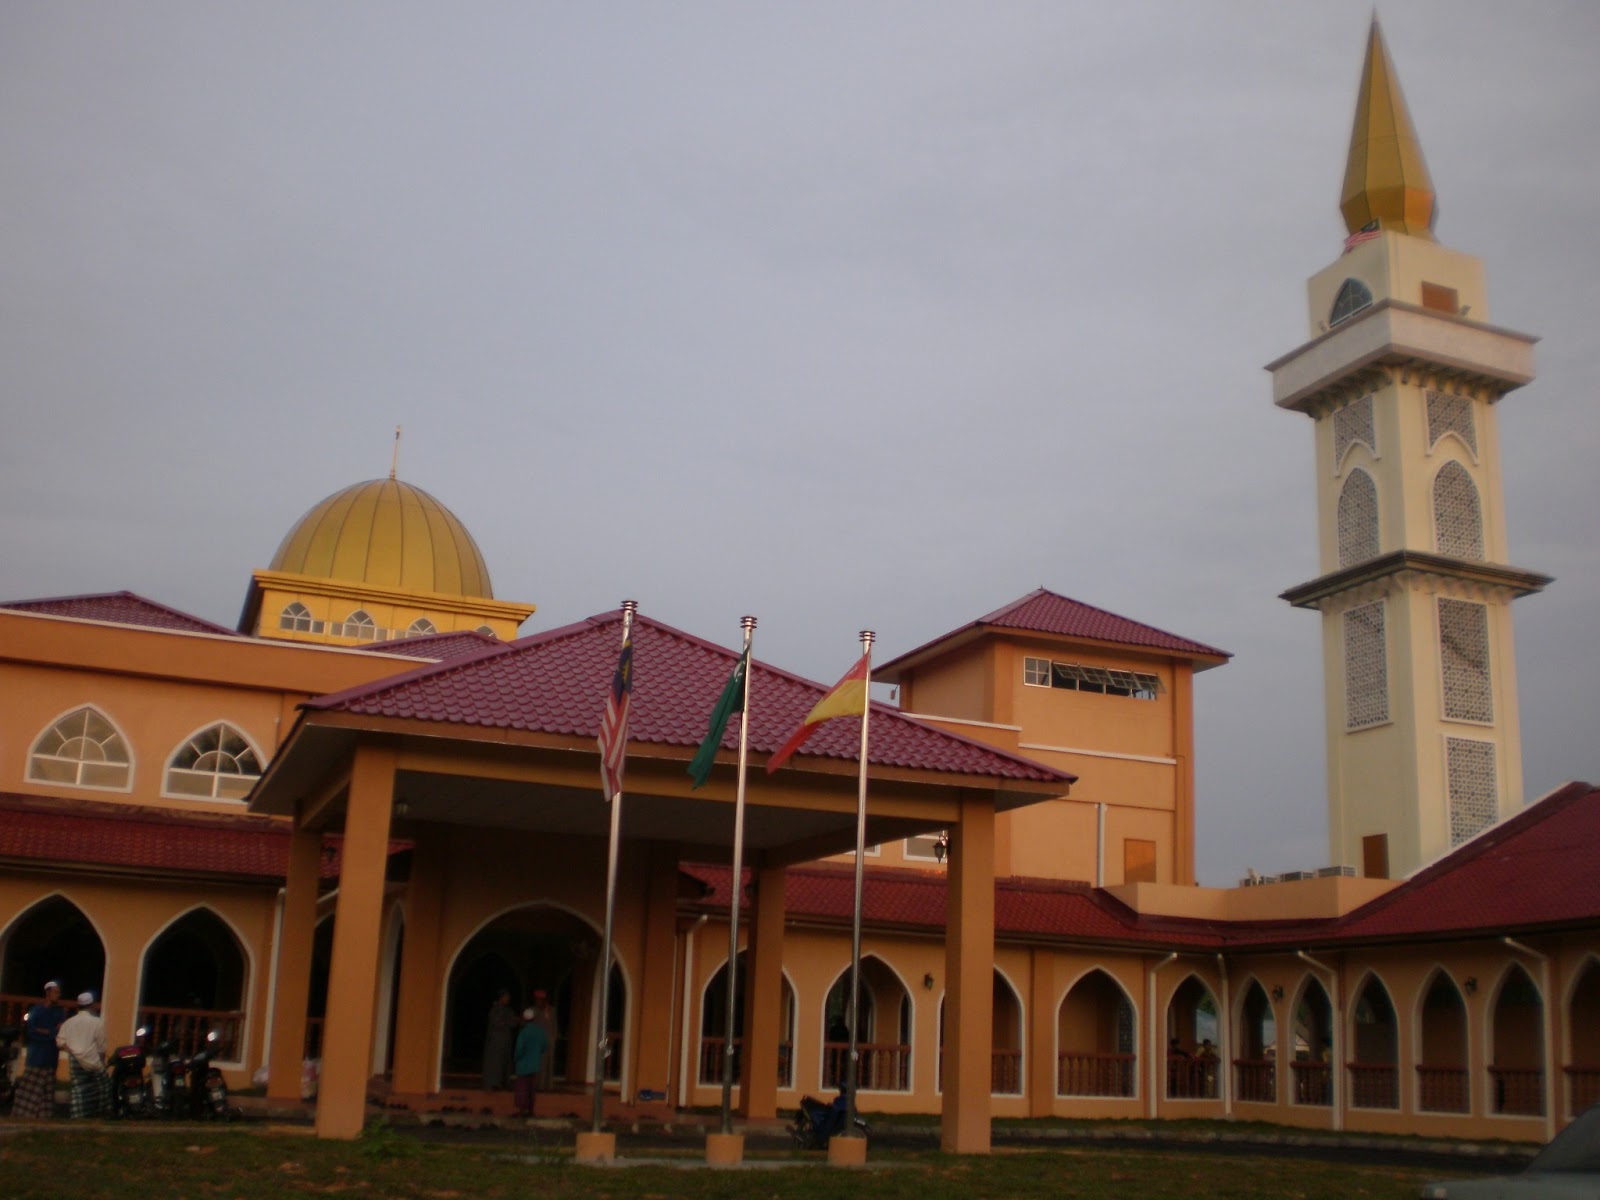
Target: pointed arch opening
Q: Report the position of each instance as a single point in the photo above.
(1312, 1042)
(713, 1027)
(1583, 1022)
(1096, 1039)
(1257, 1065)
(1375, 1042)
(1006, 1056)
(1357, 519)
(1516, 1069)
(1192, 1035)
(1457, 513)
(884, 1038)
(192, 982)
(1442, 1079)
(50, 940)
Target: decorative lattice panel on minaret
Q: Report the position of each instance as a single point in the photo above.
(1366, 667)
(1352, 424)
(1451, 414)
(1464, 659)
(1457, 514)
(1469, 765)
(1358, 519)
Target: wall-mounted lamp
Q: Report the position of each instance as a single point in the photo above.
(927, 982)
(1470, 983)
(941, 848)
(401, 807)
(1277, 992)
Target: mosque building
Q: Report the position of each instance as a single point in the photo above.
(334, 833)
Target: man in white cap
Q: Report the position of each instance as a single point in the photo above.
(83, 1037)
(36, 1088)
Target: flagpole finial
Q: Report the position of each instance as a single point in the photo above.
(629, 607)
(867, 638)
(747, 622)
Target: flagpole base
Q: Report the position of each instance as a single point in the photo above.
(724, 1149)
(846, 1151)
(596, 1148)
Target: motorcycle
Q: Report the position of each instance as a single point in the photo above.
(204, 1092)
(130, 1090)
(816, 1123)
(8, 1053)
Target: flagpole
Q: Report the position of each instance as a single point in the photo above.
(853, 1071)
(602, 1036)
(748, 624)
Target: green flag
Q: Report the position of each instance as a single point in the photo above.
(730, 702)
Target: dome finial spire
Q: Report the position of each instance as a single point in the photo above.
(1386, 183)
(394, 459)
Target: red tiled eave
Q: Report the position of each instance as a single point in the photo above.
(120, 608)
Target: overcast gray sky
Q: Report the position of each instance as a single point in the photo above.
(849, 315)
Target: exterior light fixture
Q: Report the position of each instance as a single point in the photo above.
(941, 848)
(927, 982)
(1470, 983)
(1277, 992)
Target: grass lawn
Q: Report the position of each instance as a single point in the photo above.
(88, 1163)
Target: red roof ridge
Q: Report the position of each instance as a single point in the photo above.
(174, 619)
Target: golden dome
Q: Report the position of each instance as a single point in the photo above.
(387, 534)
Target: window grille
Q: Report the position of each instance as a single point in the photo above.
(216, 763)
(1451, 414)
(1474, 792)
(1352, 298)
(82, 749)
(1352, 424)
(1358, 519)
(297, 617)
(1457, 515)
(1366, 667)
(359, 624)
(1464, 659)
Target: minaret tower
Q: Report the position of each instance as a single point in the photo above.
(1401, 378)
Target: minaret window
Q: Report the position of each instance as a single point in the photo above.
(1457, 514)
(1451, 414)
(1352, 298)
(1464, 659)
(215, 764)
(1474, 794)
(82, 749)
(421, 627)
(1352, 424)
(1366, 668)
(1358, 519)
(297, 618)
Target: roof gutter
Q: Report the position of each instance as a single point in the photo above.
(1549, 1033)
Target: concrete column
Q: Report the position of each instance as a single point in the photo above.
(295, 937)
(763, 998)
(654, 1005)
(357, 931)
(1041, 1040)
(422, 971)
(969, 972)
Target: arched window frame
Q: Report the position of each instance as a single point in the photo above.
(247, 957)
(421, 627)
(1457, 512)
(217, 777)
(116, 739)
(1359, 534)
(1352, 297)
(297, 618)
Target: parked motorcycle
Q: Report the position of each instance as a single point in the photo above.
(8, 1053)
(130, 1090)
(816, 1123)
(205, 1091)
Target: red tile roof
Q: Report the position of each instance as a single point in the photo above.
(437, 647)
(120, 608)
(556, 683)
(1539, 868)
(1043, 611)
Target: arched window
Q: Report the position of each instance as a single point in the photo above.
(192, 982)
(713, 1027)
(1583, 1025)
(1442, 1073)
(1516, 1074)
(1457, 514)
(1096, 1039)
(484, 629)
(215, 764)
(1358, 519)
(884, 1040)
(1311, 1043)
(1193, 1032)
(421, 627)
(53, 939)
(82, 749)
(297, 618)
(1375, 1064)
(359, 624)
(1257, 1060)
(1005, 1060)
(1352, 298)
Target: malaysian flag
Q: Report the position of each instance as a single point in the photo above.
(614, 724)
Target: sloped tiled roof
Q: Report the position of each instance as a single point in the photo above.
(556, 683)
(437, 647)
(120, 608)
(1540, 867)
(1043, 611)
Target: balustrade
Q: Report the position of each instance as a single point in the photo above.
(1094, 1074)
(1374, 1085)
(1258, 1080)
(1443, 1089)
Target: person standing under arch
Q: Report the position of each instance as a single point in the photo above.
(502, 1027)
(36, 1089)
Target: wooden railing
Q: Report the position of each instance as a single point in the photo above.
(885, 1066)
(1313, 1082)
(1517, 1091)
(1094, 1074)
(711, 1061)
(1192, 1078)
(1443, 1089)
(13, 1008)
(1583, 1086)
(1005, 1073)
(1374, 1085)
(186, 1028)
(1257, 1080)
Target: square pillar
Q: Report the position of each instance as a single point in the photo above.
(969, 974)
(297, 932)
(357, 932)
(1041, 1039)
(416, 1035)
(763, 998)
(654, 1005)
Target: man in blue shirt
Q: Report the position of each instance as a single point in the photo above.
(526, 1060)
(36, 1089)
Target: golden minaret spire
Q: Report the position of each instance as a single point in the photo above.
(1385, 179)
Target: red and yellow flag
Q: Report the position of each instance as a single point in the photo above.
(847, 698)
